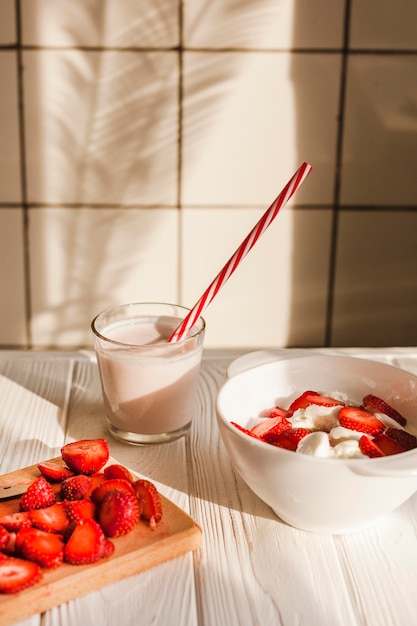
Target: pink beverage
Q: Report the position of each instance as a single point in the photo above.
(149, 385)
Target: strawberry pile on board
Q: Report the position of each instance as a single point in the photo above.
(378, 439)
(71, 513)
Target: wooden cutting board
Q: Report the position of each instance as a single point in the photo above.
(176, 534)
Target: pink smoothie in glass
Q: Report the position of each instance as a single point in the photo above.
(148, 384)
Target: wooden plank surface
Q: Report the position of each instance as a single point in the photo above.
(251, 568)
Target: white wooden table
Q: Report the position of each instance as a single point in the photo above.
(251, 568)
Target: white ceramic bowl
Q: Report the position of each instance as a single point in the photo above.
(311, 493)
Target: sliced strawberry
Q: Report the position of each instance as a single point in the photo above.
(117, 471)
(150, 505)
(52, 519)
(244, 430)
(77, 510)
(374, 403)
(312, 397)
(45, 549)
(361, 420)
(272, 436)
(38, 495)
(15, 521)
(17, 574)
(369, 448)
(86, 544)
(24, 532)
(107, 548)
(76, 487)
(289, 438)
(405, 439)
(9, 548)
(54, 472)
(4, 537)
(121, 484)
(86, 456)
(320, 400)
(118, 513)
(267, 425)
(387, 445)
(278, 412)
(96, 480)
(301, 402)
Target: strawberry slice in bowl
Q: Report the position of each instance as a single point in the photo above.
(376, 404)
(271, 425)
(246, 431)
(288, 438)
(361, 420)
(381, 445)
(312, 397)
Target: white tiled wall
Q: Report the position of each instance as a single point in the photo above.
(141, 140)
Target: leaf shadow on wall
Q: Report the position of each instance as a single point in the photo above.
(103, 159)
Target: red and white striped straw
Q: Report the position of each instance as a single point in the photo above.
(232, 264)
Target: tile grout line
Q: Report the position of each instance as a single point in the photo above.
(23, 173)
(179, 288)
(405, 208)
(337, 181)
(230, 49)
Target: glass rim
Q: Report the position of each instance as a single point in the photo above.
(188, 337)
